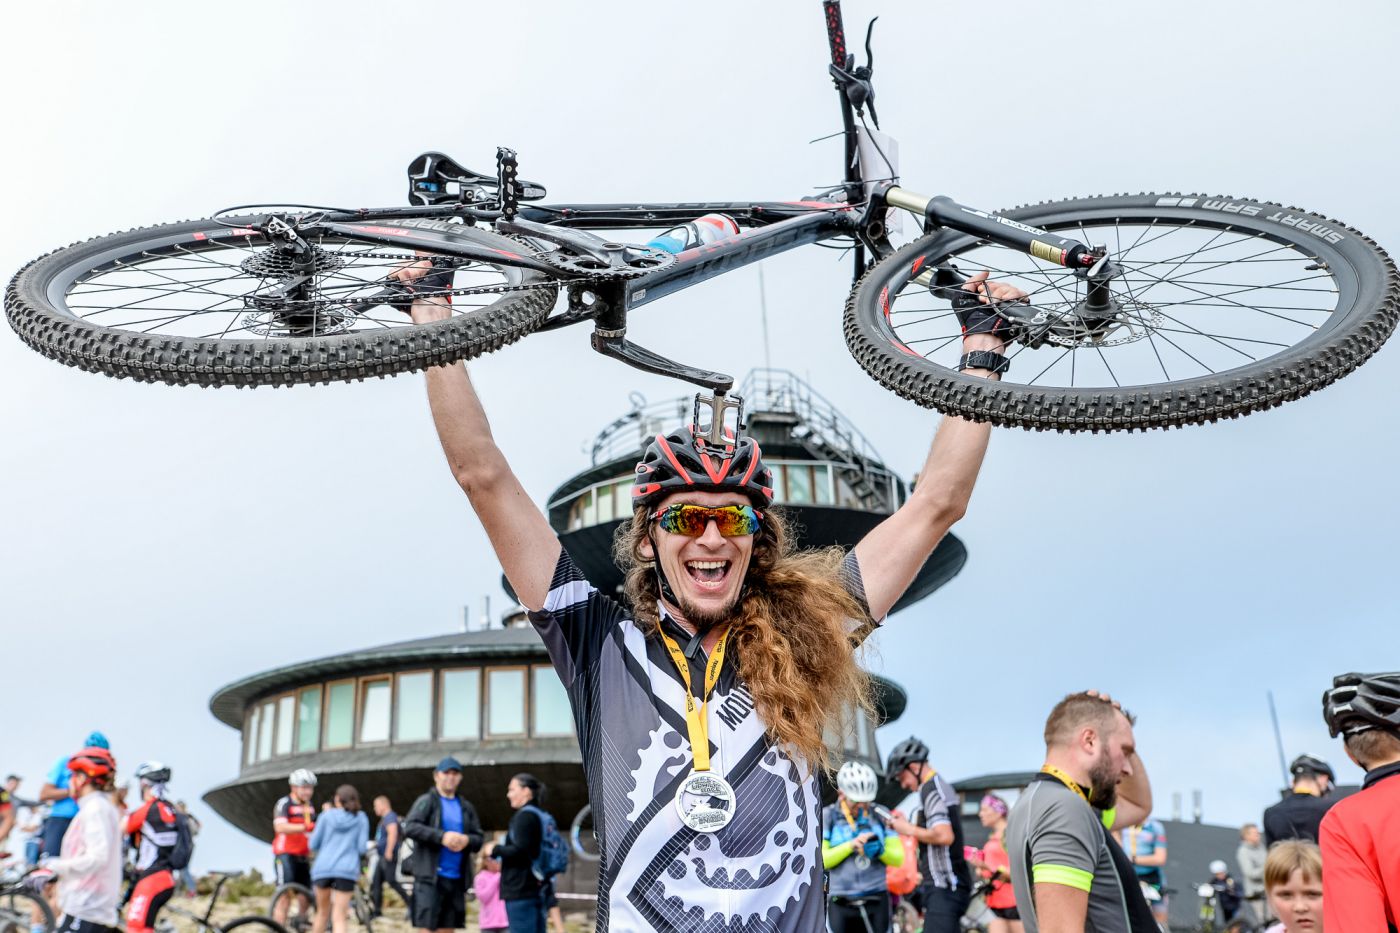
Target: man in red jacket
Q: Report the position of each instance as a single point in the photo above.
(154, 830)
(1361, 883)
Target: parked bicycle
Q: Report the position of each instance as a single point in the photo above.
(1144, 311)
(204, 922)
(301, 905)
(1211, 918)
(22, 903)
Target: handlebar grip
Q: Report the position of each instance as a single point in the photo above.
(835, 32)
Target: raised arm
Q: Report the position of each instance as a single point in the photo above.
(894, 551)
(525, 545)
(1134, 800)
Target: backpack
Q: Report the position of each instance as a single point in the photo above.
(902, 879)
(554, 851)
(183, 850)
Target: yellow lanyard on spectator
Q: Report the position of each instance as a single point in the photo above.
(695, 722)
(1066, 780)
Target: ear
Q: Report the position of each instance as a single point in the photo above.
(1089, 739)
(645, 549)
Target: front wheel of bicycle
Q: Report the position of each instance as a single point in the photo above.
(213, 303)
(1223, 306)
(22, 911)
(299, 903)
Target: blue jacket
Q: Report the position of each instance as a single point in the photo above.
(338, 841)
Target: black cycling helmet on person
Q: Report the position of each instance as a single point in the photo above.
(684, 461)
(1359, 702)
(909, 752)
(1308, 766)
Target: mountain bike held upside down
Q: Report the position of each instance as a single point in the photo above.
(1148, 310)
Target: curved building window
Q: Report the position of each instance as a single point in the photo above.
(505, 701)
(265, 727)
(375, 699)
(461, 704)
(308, 719)
(340, 714)
(286, 717)
(799, 481)
(250, 737)
(413, 707)
(549, 703)
(822, 493)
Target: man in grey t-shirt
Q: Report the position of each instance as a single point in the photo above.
(1068, 872)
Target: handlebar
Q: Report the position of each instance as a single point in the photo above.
(835, 32)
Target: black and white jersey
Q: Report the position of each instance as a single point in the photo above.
(763, 871)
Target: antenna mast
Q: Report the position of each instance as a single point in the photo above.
(1278, 741)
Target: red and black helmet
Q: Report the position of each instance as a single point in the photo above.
(684, 460)
(97, 763)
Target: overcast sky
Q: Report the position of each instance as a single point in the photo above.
(158, 542)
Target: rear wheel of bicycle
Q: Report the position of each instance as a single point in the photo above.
(1225, 306)
(253, 924)
(199, 303)
(21, 910)
(300, 903)
(582, 838)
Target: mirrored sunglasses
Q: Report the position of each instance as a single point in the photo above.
(692, 520)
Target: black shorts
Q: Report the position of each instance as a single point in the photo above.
(440, 904)
(336, 884)
(547, 896)
(67, 924)
(1006, 913)
(291, 869)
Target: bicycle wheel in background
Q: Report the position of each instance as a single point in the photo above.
(20, 909)
(1225, 306)
(206, 303)
(300, 903)
(582, 837)
(253, 924)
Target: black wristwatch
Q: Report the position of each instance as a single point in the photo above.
(984, 359)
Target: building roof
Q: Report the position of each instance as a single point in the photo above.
(230, 701)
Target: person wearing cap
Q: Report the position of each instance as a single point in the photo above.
(88, 863)
(1299, 814)
(62, 805)
(704, 692)
(994, 865)
(1227, 890)
(445, 831)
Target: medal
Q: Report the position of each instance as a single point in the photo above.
(862, 861)
(705, 802)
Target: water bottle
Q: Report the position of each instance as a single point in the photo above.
(699, 232)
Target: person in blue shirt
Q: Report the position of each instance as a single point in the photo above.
(386, 844)
(56, 793)
(445, 832)
(856, 847)
(1146, 846)
(338, 840)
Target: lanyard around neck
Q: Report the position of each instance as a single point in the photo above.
(1066, 780)
(696, 723)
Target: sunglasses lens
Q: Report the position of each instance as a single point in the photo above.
(691, 520)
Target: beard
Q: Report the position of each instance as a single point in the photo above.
(1103, 783)
(703, 618)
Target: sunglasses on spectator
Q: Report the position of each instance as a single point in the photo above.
(692, 520)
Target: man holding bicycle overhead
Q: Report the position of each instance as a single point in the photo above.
(700, 707)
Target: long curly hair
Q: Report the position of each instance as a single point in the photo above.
(790, 636)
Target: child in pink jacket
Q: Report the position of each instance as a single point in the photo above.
(487, 883)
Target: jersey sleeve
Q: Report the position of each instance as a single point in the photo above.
(1351, 888)
(1064, 847)
(934, 804)
(575, 621)
(282, 809)
(861, 628)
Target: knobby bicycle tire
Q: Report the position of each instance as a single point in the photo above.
(37, 305)
(253, 920)
(19, 906)
(302, 920)
(1367, 286)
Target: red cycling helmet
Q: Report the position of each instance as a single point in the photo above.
(685, 461)
(97, 763)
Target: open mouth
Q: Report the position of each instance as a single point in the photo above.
(708, 574)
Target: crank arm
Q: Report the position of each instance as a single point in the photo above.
(614, 343)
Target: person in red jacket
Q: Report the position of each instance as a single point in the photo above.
(154, 829)
(1361, 884)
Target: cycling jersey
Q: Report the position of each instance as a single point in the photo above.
(763, 871)
(293, 843)
(853, 872)
(152, 828)
(1360, 858)
(942, 866)
(1144, 840)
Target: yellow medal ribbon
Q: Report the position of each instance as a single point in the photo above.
(695, 722)
(1066, 780)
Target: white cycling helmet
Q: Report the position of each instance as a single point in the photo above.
(152, 772)
(1218, 867)
(302, 777)
(857, 781)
